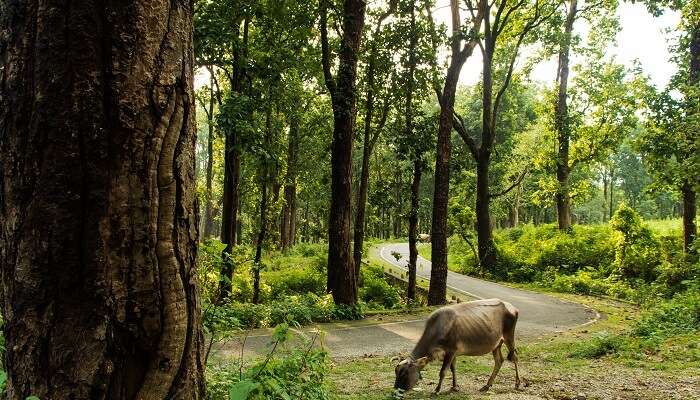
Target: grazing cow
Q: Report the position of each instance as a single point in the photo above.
(474, 328)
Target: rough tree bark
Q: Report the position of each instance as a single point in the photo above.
(98, 212)
(437, 293)
(561, 122)
(341, 281)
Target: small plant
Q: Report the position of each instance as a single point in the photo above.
(284, 373)
(600, 345)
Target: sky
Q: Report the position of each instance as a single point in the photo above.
(643, 37)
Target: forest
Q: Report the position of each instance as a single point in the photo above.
(285, 199)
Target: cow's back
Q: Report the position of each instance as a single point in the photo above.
(477, 327)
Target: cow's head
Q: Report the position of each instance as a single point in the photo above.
(408, 373)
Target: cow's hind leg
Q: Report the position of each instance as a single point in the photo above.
(446, 362)
(498, 361)
(455, 388)
(513, 357)
(509, 339)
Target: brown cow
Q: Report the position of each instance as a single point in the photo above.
(474, 328)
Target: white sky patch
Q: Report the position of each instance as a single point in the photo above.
(642, 37)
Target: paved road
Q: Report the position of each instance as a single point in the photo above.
(539, 315)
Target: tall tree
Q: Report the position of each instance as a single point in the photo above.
(506, 26)
(561, 120)
(369, 139)
(207, 104)
(601, 16)
(222, 36)
(342, 283)
(98, 215)
(462, 47)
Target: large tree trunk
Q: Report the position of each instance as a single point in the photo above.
(561, 123)
(341, 270)
(208, 206)
(690, 229)
(97, 207)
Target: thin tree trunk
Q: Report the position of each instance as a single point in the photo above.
(612, 187)
(232, 167)
(341, 281)
(561, 123)
(208, 207)
(690, 229)
(99, 227)
(688, 191)
(413, 229)
(260, 241)
(487, 256)
(367, 147)
(605, 197)
(362, 203)
(417, 163)
(289, 209)
(262, 230)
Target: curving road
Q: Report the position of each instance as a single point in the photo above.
(539, 315)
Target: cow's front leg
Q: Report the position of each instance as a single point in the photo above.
(446, 362)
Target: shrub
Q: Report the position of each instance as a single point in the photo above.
(680, 315)
(585, 281)
(301, 310)
(637, 252)
(525, 253)
(600, 345)
(303, 279)
(296, 373)
(374, 289)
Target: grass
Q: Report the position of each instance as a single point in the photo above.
(665, 227)
(561, 366)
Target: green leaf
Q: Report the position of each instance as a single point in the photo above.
(242, 389)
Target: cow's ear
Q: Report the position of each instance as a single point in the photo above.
(422, 362)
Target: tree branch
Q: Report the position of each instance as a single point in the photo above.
(461, 129)
(325, 52)
(515, 184)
